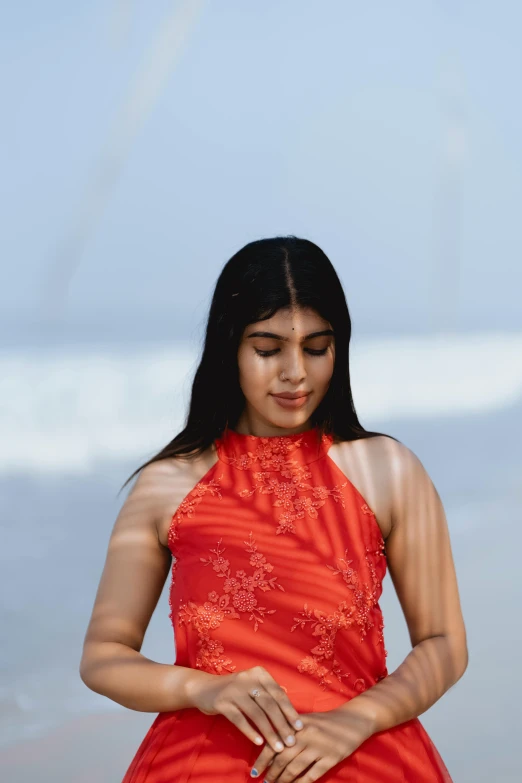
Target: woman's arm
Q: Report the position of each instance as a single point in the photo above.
(421, 566)
(133, 577)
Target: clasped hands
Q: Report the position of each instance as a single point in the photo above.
(260, 708)
(325, 739)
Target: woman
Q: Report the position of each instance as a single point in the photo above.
(282, 514)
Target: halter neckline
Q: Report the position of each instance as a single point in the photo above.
(265, 452)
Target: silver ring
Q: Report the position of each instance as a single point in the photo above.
(255, 692)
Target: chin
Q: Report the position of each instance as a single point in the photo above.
(288, 420)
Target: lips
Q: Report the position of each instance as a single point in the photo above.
(291, 400)
(291, 395)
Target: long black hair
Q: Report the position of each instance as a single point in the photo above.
(260, 279)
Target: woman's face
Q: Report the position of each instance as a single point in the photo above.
(290, 354)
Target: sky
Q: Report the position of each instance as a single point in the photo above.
(145, 143)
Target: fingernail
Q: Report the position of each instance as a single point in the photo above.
(298, 724)
(254, 773)
(290, 740)
(258, 740)
(279, 745)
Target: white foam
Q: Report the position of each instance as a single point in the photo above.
(69, 412)
(437, 375)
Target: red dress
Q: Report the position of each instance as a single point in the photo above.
(278, 562)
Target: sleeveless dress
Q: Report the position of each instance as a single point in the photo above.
(278, 561)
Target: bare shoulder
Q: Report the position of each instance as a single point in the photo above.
(372, 465)
(167, 482)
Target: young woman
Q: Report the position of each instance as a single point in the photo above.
(282, 514)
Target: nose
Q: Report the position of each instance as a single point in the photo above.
(293, 369)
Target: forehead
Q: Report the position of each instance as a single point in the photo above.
(293, 321)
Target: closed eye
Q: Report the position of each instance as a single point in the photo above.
(310, 351)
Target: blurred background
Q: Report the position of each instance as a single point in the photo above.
(142, 145)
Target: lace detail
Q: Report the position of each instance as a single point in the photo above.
(289, 495)
(271, 453)
(360, 685)
(292, 488)
(186, 509)
(279, 468)
(365, 594)
(321, 661)
(188, 506)
(237, 597)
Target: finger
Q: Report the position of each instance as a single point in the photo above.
(277, 768)
(253, 710)
(235, 716)
(271, 708)
(263, 761)
(295, 767)
(316, 771)
(285, 705)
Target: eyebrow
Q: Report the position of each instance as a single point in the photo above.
(323, 333)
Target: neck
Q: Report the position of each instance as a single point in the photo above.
(250, 423)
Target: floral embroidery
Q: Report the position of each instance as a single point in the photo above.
(293, 506)
(380, 634)
(275, 469)
(272, 455)
(189, 504)
(365, 599)
(186, 509)
(371, 556)
(365, 596)
(238, 596)
(359, 685)
(326, 627)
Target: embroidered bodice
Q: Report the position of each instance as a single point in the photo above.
(278, 561)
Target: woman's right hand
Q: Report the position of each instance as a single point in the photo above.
(229, 694)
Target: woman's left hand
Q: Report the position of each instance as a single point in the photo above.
(325, 739)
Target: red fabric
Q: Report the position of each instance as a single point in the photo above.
(278, 562)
